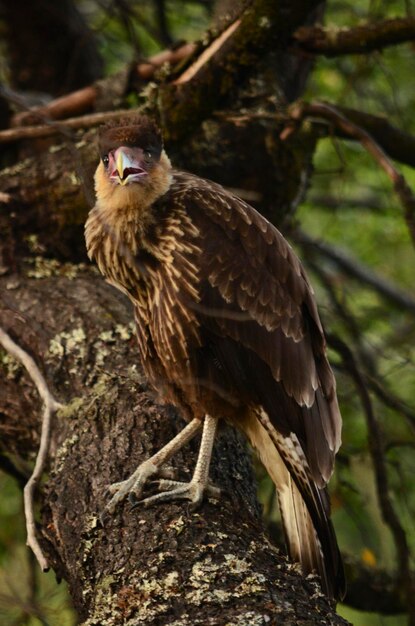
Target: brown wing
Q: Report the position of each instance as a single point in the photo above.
(259, 315)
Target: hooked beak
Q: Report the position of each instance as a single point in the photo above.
(127, 166)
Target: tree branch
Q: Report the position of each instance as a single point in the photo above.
(206, 82)
(335, 117)
(50, 407)
(333, 41)
(394, 141)
(158, 564)
(84, 100)
(373, 380)
(376, 447)
(388, 290)
(55, 127)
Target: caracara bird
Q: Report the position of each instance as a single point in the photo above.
(227, 328)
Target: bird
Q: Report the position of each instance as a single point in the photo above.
(227, 328)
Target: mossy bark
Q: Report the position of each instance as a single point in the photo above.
(162, 565)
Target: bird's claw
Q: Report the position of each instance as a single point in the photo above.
(172, 489)
(133, 486)
(175, 490)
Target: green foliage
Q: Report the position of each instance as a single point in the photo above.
(129, 32)
(352, 205)
(27, 596)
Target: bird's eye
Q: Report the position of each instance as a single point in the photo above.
(148, 155)
(105, 160)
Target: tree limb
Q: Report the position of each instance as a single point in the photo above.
(332, 41)
(205, 82)
(398, 144)
(388, 290)
(265, 25)
(83, 100)
(335, 116)
(164, 563)
(376, 447)
(50, 407)
(55, 127)
(373, 379)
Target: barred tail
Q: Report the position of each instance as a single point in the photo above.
(308, 530)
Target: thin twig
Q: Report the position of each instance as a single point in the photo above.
(50, 407)
(334, 116)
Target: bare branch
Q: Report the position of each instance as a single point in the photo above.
(376, 447)
(74, 103)
(50, 407)
(53, 128)
(356, 270)
(398, 144)
(373, 380)
(394, 141)
(333, 41)
(83, 100)
(334, 116)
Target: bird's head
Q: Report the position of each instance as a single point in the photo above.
(133, 165)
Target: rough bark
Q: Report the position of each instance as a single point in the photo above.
(216, 76)
(157, 566)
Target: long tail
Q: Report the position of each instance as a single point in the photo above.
(304, 507)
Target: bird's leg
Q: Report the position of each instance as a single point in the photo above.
(135, 483)
(195, 489)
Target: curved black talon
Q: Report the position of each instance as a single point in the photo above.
(134, 501)
(132, 498)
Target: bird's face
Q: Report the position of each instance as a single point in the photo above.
(134, 169)
(128, 165)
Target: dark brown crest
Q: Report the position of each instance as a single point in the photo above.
(141, 132)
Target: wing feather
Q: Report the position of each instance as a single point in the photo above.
(249, 267)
